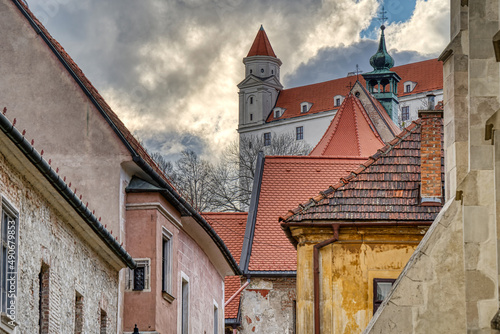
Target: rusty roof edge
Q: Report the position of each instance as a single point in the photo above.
(246, 249)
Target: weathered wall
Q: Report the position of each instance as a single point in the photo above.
(267, 306)
(44, 235)
(347, 270)
(429, 296)
(146, 216)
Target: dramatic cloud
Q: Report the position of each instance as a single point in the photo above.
(170, 68)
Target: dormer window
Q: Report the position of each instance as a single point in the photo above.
(278, 112)
(338, 99)
(305, 107)
(409, 86)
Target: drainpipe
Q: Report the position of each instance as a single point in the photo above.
(316, 275)
(237, 292)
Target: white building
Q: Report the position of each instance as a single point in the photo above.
(267, 110)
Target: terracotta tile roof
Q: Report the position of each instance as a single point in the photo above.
(261, 45)
(386, 187)
(230, 226)
(231, 286)
(287, 181)
(428, 74)
(94, 94)
(351, 132)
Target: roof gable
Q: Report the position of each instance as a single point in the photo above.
(351, 132)
(384, 188)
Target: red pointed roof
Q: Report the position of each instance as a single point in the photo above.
(261, 45)
(428, 75)
(351, 133)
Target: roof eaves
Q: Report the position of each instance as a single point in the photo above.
(64, 190)
(246, 250)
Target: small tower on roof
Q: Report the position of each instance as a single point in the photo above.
(382, 82)
(261, 86)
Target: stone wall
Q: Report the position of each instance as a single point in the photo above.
(268, 306)
(73, 267)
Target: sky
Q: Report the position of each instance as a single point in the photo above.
(169, 68)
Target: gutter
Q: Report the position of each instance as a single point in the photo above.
(69, 195)
(187, 210)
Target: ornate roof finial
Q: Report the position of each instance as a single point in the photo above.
(381, 60)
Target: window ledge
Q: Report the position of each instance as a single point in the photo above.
(7, 325)
(168, 297)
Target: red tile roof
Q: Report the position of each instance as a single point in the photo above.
(130, 139)
(261, 45)
(230, 226)
(386, 187)
(428, 74)
(351, 132)
(287, 181)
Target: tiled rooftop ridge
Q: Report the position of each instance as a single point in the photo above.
(415, 125)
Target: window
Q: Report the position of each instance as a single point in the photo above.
(251, 117)
(104, 322)
(407, 88)
(216, 318)
(278, 112)
(78, 313)
(405, 113)
(267, 139)
(304, 108)
(43, 299)
(251, 99)
(299, 133)
(272, 71)
(8, 269)
(251, 71)
(185, 306)
(337, 102)
(261, 70)
(138, 279)
(166, 273)
(381, 288)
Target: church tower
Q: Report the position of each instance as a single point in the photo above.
(382, 82)
(259, 90)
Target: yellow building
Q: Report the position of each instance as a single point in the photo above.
(354, 239)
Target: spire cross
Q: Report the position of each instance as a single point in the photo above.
(358, 71)
(350, 85)
(383, 18)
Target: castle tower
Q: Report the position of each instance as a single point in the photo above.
(259, 90)
(382, 82)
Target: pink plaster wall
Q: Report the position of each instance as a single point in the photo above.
(149, 310)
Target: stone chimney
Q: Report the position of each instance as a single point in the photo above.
(431, 188)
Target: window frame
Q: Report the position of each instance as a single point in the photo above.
(166, 264)
(405, 110)
(299, 132)
(375, 301)
(184, 304)
(267, 138)
(130, 276)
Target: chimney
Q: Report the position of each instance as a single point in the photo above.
(431, 189)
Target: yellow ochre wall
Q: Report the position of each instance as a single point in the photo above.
(347, 270)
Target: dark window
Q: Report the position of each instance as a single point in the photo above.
(405, 113)
(299, 133)
(166, 264)
(381, 288)
(185, 307)
(251, 99)
(261, 70)
(272, 71)
(407, 88)
(304, 108)
(104, 322)
(251, 71)
(78, 313)
(267, 138)
(139, 278)
(337, 102)
(251, 117)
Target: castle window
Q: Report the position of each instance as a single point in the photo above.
(278, 112)
(267, 139)
(251, 117)
(272, 71)
(381, 288)
(138, 278)
(251, 99)
(251, 71)
(405, 113)
(407, 88)
(305, 106)
(337, 102)
(184, 304)
(299, 133)
(261, 70)
(166, 268)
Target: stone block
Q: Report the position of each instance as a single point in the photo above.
(476, 223)
(478, 286)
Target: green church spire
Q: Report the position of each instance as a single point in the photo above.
(381, 61)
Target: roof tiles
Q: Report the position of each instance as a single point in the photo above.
(286, 182)
(261, 45)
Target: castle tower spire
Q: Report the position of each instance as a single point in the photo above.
(259, 90)
(382, 82)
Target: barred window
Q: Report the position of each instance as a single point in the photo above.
(138, 279)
